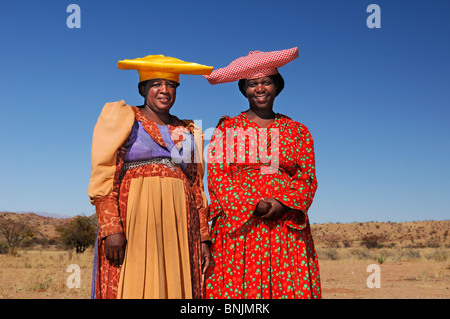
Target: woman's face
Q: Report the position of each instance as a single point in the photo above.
(161, 95)
(261, 93)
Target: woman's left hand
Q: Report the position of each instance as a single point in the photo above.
(206, 255)
(276, 211)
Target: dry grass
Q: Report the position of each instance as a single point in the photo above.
(346, 279)
(419, 234)
(414, 259)
(43, 274)
(381, 255)
(405, 273)
(413, 256)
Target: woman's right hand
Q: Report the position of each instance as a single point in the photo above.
(262, 208)
(270, 209)
(115, 248)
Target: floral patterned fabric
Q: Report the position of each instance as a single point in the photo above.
(253, 257)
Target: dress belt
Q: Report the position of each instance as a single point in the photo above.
(157, 160)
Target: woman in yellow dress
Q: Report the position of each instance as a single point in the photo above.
(146, 184)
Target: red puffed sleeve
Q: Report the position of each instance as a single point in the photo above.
(303, 185)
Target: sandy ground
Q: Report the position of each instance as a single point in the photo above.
(340, 280)
(416, 264)
(400, 280)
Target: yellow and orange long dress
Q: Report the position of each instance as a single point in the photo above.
(146, 182)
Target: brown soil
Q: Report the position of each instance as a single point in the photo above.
(399, 280)
(413, 259)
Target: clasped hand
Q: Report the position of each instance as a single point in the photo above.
(270, 209)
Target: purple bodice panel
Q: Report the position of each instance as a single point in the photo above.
(141, 146)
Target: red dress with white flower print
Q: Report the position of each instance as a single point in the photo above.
(253, 257)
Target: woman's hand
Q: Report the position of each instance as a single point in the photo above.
(115, 248)
(262, 208)
(206, 256)
(270, 209)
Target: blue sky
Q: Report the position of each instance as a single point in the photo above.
(377, 101)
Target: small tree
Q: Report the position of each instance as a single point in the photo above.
(15, 231)
(372, 240)
(80, 233)
(332, 240)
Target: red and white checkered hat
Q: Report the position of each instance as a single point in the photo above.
(255, 65)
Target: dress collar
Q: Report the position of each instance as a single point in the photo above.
(280, 121)
(153, 129)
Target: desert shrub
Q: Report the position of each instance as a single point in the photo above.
(28, 242)
(409, 254)
(328, 254)
(439, 255)
(3, 248)
(361, 254)
(381, 259)
(79, 233)
(372, 241)
(433, 243)
(332, 240)
(15, 232)
(388, 253)
(347, 243)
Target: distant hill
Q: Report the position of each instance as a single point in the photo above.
(405, 234)
(44, 227)
(50, 215)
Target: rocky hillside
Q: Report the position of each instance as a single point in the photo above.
(43, 227)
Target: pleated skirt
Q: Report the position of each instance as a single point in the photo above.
(156, 264)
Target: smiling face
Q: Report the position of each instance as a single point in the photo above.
(161, 94)
(261, 93)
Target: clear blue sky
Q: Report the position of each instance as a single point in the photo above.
(377, 101)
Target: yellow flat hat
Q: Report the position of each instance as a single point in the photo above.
(163, 67)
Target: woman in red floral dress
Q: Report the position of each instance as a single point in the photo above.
(261, 179)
